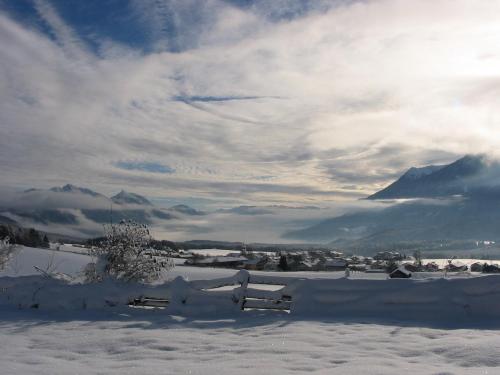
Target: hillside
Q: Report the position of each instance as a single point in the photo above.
(455, 202)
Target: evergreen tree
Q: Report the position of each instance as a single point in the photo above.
(45, 242)
(283, 264)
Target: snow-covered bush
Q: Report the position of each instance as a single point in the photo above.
(126, 254)
(6, 251)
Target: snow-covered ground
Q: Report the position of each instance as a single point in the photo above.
(156, 344)
(213, 252)
(130, 341)
(71, 260)
(24, 260)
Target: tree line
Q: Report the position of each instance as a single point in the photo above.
(24, 236)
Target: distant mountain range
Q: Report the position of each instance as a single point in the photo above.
(461, 202)
(71, 189)
(124, 197)
(81, 211)
(437, 203)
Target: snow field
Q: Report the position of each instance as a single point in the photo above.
(340, 326)
(159, 344)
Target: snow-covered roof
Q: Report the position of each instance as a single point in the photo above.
(336, 263)
(402, 270)
(220, 260)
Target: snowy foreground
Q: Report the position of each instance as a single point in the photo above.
(336, 326)
(157, 344)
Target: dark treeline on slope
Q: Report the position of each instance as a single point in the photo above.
(24, 236)
(155, 244)
(222, 245)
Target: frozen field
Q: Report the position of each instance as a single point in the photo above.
(157, 344)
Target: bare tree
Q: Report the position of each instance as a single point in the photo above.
(126, 255)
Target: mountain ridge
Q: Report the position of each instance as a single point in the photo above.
(457, 201)
(461, 177)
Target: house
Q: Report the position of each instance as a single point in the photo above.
(476, 267)
(224, 262)
(357, 260)
(431, 267)
(491, 268)
(400, 273)
(388, 255)
(368, 260)
(335, 264)
(378, 265)
(256, 263)
(456, 267)
(358, 267)
(303, 265)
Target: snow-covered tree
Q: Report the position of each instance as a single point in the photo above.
(6, 251)
(126, 254)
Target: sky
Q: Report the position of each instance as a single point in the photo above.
(222, 103)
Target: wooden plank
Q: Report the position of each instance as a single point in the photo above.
(264, 294)
(267, 304)
(153, 302)
(271, 280)
(214, 283)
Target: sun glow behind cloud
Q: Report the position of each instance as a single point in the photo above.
(257, 103)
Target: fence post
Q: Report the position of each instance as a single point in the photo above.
(243, 292)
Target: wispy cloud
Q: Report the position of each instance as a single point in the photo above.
(196, 98)
(145, 166)
(366, 89)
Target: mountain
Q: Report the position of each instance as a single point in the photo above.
(186, 210)
(68, 188)
(78, 211)
(420, 220)
(462, 177)
(246, 210)
(455, 202)
(124, 197)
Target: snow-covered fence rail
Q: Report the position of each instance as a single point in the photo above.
(424, 299)
(466, 298)
(268, 299)
(246, 297)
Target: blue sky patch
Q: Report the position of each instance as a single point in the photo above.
(197, 98)
(145, 167)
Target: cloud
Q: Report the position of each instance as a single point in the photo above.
(331, 99)
(145, 166)
(188, 99)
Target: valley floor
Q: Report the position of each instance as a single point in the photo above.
(149, 342)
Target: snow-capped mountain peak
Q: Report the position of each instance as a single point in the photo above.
(415, 173)
(69, 188)
(440, 180)
(124, 197)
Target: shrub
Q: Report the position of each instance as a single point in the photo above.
(126, 254)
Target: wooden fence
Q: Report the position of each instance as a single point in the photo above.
(245, 293)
